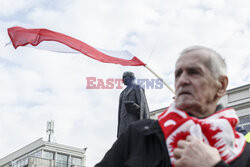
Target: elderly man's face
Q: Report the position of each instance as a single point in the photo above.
(196, 89)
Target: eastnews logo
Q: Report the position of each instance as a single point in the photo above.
(114, 83)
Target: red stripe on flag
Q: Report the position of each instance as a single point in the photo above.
(21, 37)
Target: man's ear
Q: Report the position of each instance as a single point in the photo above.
(223, 82)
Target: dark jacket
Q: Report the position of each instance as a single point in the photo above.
(143, 145)
(126, 115)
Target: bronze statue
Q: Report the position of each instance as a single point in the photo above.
(133, 105)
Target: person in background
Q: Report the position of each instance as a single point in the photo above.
(247, 136)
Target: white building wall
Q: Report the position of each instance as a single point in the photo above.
(27, 156)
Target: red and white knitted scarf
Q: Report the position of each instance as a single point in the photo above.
(217, 130)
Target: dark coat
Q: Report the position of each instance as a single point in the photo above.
(126, 115)
(143, 145)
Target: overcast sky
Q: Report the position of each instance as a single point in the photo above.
(37, 86)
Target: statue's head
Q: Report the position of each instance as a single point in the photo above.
(128, 78)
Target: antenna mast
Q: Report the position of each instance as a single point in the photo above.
(50, 129)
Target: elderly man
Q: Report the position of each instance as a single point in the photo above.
(194, 131)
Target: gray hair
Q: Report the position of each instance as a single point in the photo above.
(216, 64)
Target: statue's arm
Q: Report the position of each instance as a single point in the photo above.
(132, 107)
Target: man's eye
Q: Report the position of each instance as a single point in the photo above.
(177, 74)
(193, 71)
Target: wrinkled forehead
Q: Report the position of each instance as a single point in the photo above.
(194, 57)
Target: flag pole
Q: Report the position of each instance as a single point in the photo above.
(171, 90)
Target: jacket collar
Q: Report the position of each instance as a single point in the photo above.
(150, 128)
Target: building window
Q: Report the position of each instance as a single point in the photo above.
(21, 163)
(245, 122)
(37, 154)
(61, 160)
(76, 161)
(48, 155)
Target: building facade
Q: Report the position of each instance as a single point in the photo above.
(45, 154)
(237, 98)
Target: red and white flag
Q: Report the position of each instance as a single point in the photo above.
(58, 42)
